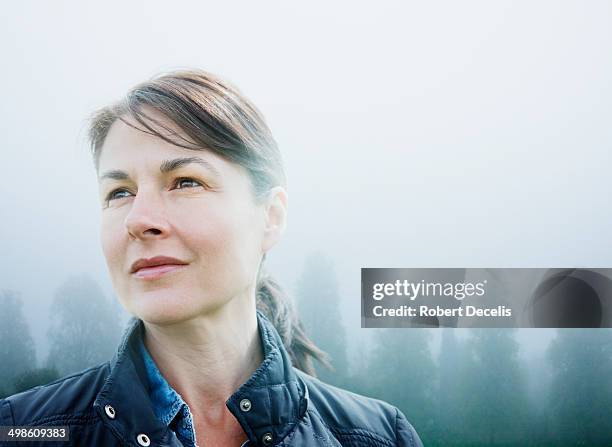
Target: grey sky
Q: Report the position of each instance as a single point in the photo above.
(415, 134)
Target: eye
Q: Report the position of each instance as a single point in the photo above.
(111, 195)
(179, 181)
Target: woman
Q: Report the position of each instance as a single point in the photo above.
(192, 196)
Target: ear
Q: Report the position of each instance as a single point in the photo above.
(275, 217)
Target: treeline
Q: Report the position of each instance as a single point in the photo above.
(478, 391)
(84, 330)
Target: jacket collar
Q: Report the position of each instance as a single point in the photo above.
(277, 397)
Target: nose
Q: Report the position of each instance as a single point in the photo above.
(147, 217)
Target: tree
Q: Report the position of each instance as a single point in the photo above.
(17, 350)
(581, 390)
(318, 302)
(35, 377)
(450, 368)
(85, 327)
(401, 371)
(494, 389)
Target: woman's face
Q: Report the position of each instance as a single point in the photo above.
(163, 200)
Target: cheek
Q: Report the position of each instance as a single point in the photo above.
(213, 235)
(228, 238)
(110, 241)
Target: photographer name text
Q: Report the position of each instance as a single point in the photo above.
(438, 311)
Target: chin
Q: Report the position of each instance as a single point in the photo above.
(167, 307)
(159, 318)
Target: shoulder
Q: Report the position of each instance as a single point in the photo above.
(69, 399)
(347, 414)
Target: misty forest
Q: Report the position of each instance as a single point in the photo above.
(474, 389)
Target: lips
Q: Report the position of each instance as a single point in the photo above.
(156, 263)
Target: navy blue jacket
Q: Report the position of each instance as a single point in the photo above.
(109, 405)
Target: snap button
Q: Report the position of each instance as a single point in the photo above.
(245, 404)
(267, 439)
(110, 411)
(143, 440)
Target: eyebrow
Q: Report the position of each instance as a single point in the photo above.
(165, 167)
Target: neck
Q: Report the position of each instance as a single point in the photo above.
(206, 359)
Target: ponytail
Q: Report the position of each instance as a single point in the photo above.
(279, 309)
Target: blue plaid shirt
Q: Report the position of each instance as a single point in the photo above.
(168, 405)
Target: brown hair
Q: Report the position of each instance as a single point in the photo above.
(213, 115)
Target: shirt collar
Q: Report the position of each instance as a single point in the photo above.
(166, 402)
(277, 397)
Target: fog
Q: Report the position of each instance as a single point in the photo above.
(437, 134)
